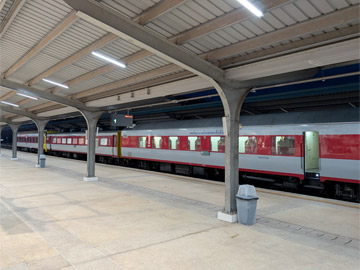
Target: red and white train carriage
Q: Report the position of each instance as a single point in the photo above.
(314, 155)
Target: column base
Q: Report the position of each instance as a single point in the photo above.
(14, 158)
(90, 179)
(231, 218)
(37, 165)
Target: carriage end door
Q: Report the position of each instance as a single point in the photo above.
(311, 152)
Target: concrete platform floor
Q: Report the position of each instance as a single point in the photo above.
(133, 219)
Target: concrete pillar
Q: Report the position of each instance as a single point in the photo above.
(14, 128)
(41, 127)
(1, 128)
(232, 100)
(91, 120)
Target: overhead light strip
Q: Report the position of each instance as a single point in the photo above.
(257, 12)
(20, 94)
(58, 84)
(8, 103)
(109, 59)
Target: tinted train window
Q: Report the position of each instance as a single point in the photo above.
(81, 140)
(75, 141)
(103, 141)
(54, 140)
(142, 142)
(194, 143)
(156, 142)
(174, 143)
(282, 145)
(218, 144)
(247, 145)
(69, 141)
(63, 140)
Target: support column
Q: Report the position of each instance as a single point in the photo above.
(41, 124)
(14, 128)
(232, 100)
(1, 128)
(91, 120)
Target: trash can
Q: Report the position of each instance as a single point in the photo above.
(246, 201)
(42, 161)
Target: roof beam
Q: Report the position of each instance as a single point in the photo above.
(118, 24)
(21, 112)
(12, 14)
(159, 9)
(333, 19)
(42, 94)
(303, 44)
(124, 89)
(94, 46)
(69, 20)
(130, 80)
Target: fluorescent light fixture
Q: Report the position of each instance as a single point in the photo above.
(109, 59)
(8, 103)
(251, 7)
(20, 94)
(58, 84)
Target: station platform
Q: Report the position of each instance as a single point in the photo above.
(135, 219)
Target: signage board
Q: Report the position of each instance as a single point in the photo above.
(121, 120)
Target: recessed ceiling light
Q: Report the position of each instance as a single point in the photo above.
(8, 103)
(109, 59)
(251, 7)
(20, 94)
(58, 84)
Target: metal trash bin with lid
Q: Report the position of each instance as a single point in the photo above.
(42, 161)
(246, 202)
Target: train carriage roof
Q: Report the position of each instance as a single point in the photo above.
(329, 116)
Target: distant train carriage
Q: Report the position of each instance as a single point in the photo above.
(322, 156)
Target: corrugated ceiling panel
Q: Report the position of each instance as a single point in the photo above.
(35, 19)
(33, 67)
(130, 8)
(90, 62)
(5, 10)
(274, 19)
(188, 15)
(68, 73)
(75, 38)
(119, 49)
(89, 84)
(322, 5)
(32, 23)
(10, 51)
(33, 103)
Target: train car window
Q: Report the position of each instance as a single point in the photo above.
(81, 140)
(54, 140)
(194, 143)
(75, 141)
(103, 141)
(282, 145)
(247, 145)
(142, 142)
(217, 144)
(63, 140)
(69, 141)
(58, 140)
(174, 143)
(157, 142)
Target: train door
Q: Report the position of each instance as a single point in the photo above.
(311, 155)
(118, 143)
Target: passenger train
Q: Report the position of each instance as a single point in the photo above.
(294, 151)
